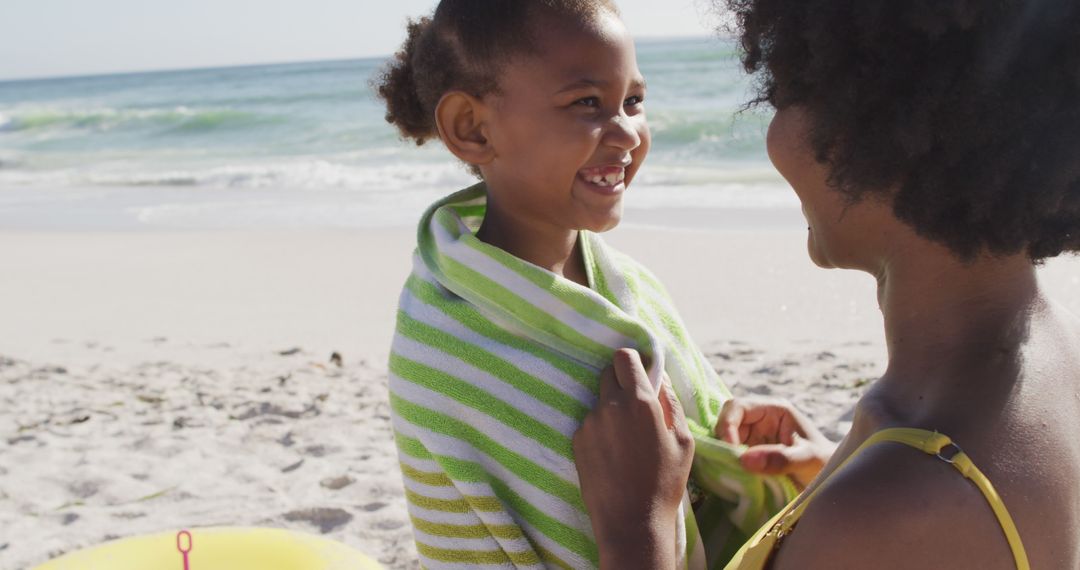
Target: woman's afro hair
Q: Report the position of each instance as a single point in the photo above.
(965, 113)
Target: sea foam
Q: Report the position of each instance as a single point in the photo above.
(308, 144)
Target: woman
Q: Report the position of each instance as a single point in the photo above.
(936, 146)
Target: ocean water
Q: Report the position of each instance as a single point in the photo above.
(301, 145)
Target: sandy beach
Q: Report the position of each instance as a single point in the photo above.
(156, 380)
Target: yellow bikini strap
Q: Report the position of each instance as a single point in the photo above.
(931, 443)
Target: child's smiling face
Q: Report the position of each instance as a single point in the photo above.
(567, 127)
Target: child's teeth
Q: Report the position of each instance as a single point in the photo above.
(609, 179)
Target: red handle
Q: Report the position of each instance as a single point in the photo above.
(180, 546)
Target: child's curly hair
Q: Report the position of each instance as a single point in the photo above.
(461, 47)
(969, 110)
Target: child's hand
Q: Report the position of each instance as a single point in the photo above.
(782, 440)
(633, 455)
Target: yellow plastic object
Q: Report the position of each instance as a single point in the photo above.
(217, 549)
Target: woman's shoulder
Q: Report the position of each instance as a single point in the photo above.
(896, 507)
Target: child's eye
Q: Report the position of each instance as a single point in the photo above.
(635, 100)
(588, 102)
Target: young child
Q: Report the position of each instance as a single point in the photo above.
(515, 304)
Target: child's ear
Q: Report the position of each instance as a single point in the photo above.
(460, 120)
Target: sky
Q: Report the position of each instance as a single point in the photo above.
(49, 38)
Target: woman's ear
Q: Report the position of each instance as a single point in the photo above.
(460, 119)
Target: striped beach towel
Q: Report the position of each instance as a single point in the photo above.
(494, 364)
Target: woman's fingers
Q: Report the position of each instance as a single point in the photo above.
(787, 429)
(801, 461)
(778, 459)
(609, 384)
(674, 417)
(730, 421)
(756, 421)
(633, 454)
(675, 420)
(781, 440)
(631, 372)
(748, 421)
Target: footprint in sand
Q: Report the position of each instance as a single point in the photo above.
(326, 519)
(84, 489)
(389, 524)
(129, 515)
(760, 390)
(268, 409)
(337, 483)
(769, 370)
(316, 451)
(293, 467)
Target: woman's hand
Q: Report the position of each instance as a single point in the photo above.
(633, 455)
(782, 440)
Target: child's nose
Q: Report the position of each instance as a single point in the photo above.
(623, 133)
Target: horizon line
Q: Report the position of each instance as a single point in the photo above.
(182, 69)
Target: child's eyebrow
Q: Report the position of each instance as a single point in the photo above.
(637, 83)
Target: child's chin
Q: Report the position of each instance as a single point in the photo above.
(600, 224)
